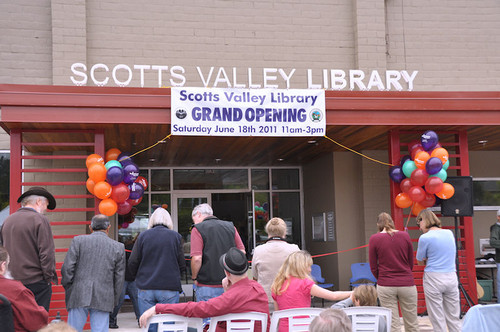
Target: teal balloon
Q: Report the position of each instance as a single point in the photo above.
(446, 165)
(442, 174)
(113, 163)
(408, 168)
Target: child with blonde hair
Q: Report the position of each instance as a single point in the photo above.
(294, 286)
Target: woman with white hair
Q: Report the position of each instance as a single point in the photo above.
(268, 257)
(157, 261)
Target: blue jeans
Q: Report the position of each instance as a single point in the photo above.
(99, 320)
(131, 289)
(150, 297)
(498, 282)
(204, 293)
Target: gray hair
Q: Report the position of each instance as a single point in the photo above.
(99, 222)
(31, 200)
(160, 217)
(276, 227)
(204, 209)
(331, 320)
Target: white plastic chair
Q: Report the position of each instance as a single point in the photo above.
(368, 318)
(241, 322)
(299, 319)
(176, 323)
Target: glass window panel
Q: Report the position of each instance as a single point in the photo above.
(4, 181)
(189, 179)
(160, 200)
(285, 179)
(160, 180)
(261, 210)
(260, 179)
(287, 206)
(486, 192)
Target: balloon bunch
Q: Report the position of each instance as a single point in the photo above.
(422, 174)
(261, 211)
(115, 182)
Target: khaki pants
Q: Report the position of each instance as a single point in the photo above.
(442, 299)
(407, 298)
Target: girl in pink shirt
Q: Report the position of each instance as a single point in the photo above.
(293, 286)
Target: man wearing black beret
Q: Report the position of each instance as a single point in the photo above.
(27, 236)
(241, 294)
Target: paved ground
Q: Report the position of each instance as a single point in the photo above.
(128, 323)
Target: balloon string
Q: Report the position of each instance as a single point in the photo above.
(149, 147)
(362, 155)
(409, 216)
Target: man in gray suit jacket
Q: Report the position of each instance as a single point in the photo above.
(93, 274)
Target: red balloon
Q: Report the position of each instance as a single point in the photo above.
(413, 144)
(416, 194)
(135, 202)
(429, 200)
(415, 151)
(142, 180)
(124, 208)
(405, 185)
(433, 185)
(120, 193)
(403, 201)
(418, 177)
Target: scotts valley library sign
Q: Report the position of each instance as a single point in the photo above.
(247, 112)
(335, 79)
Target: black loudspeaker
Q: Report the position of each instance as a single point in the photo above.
(461, 203)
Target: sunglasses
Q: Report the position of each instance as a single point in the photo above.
(419, 220)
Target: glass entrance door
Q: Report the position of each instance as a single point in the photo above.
(181, 213)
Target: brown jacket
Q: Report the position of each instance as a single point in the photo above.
(27, 236)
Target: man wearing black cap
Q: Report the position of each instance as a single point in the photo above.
(240, 295)
(27, 236)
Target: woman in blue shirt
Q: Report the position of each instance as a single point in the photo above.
(437, 251)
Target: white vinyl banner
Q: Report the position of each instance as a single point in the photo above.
(247, 112)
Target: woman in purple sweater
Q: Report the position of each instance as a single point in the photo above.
(391, 262)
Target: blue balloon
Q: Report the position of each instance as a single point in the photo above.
(113, 163)
(114, 175)
(442, 174)
(429, 139)
(446, 165)
(433, 165)
(408, 168)
(396, 174)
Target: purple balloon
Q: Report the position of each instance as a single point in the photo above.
(136, 190)
(404, 159)
(124, 159)
(130, 173)
(433, 165)
(429, 139)
(396, 174)
(114, 175)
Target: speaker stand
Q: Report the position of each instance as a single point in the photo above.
(461, 288)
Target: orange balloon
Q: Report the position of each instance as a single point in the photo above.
(403, 201)
(421, 158)
(97, 172)
(102, 190)
(440, 153)
(90, 185)
(447, 192)
(415, 210)
(112, 154)
(108, 207)
(94, 158)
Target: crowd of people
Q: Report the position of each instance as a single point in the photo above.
(96, 272)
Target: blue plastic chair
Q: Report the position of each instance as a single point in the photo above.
(361, 275)
(320, 281)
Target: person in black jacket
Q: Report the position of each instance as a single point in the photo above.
(157, 261)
